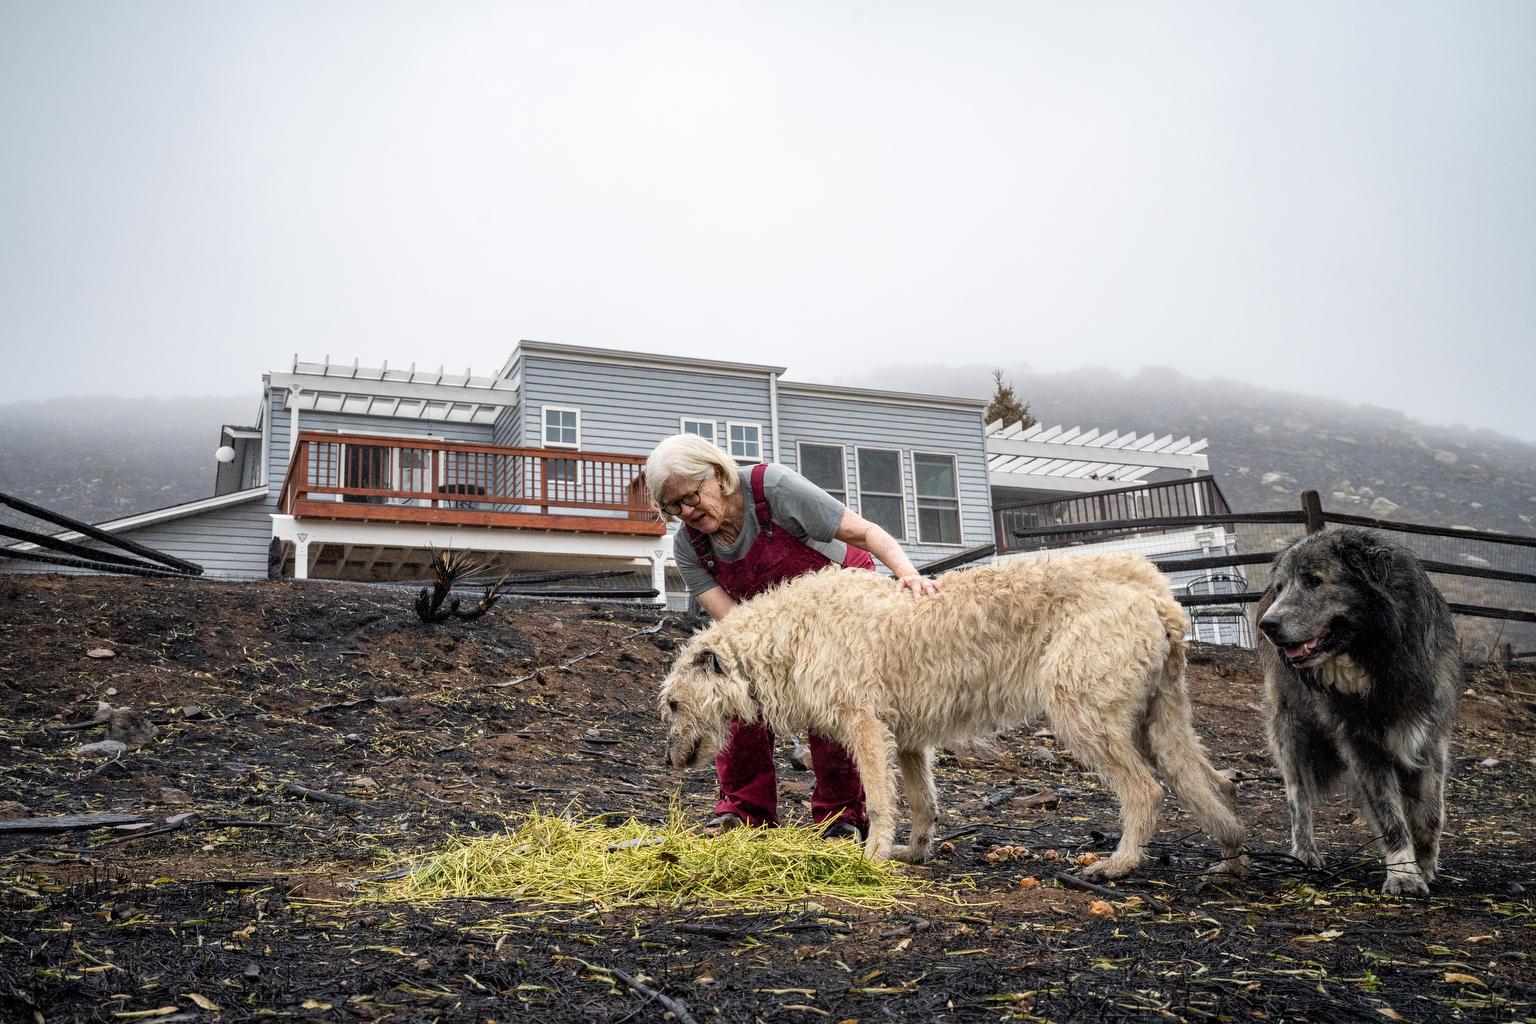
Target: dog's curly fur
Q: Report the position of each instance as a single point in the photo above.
(1094, 642)
(1362, 675)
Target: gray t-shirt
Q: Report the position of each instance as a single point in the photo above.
(807, 512)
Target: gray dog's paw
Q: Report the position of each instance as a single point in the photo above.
(908, 855)
(1405, 883)
(1310, 857)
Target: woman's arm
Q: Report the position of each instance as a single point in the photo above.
(860, 532)
(716, 602)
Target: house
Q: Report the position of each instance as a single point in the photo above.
(350, 472)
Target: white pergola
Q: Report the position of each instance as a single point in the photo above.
(1070, 459)
(406, 394)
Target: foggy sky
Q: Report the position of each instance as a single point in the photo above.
(1327, 198)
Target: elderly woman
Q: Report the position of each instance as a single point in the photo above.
(745, 530)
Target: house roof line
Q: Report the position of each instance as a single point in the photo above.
(895, 397)
(613, 355)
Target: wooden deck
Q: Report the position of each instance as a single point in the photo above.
(358, 478)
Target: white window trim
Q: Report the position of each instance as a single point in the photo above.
(954, 460)
(714, 427)
(544, 441)
(901, 472)
(745, 460)
(800, 461)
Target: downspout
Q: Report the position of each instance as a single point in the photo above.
(266, 430)
(773, 414)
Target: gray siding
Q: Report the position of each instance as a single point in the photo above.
(627, 409)
(509, 423)
(852, 422)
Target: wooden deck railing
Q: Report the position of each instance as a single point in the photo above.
(1196, 496)
(398, 479)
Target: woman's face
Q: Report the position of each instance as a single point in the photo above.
(709, 512)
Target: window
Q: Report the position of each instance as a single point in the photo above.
(562, 427)
(703, 428)
(938, 499)
(824, 466)
(880, 492)
(746, 440)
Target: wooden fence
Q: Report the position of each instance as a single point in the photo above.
(1312, 518)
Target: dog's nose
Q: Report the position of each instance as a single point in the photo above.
(1270, 626)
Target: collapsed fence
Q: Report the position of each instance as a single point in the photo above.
(60, 550)
(1218, 560)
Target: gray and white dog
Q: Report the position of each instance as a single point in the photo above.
(1362, 674)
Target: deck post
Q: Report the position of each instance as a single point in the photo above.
(659, 575)
(301, 557)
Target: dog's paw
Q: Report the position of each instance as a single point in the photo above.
(1106, 870)
(1231, 867)
(1308, 856)
(910, 855)
(1405, 883)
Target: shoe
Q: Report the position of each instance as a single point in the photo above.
(843, 830)
(724, 823)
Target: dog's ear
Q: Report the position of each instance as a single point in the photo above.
(709, 660)
(1379, 560)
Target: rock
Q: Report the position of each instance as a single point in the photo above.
(800, 756)
(365, 782)
(194, 713)
(130, 727)
(1233, 774)
(173, 796)
(1384, 507)
(10, 810)
(1277, 479)
(101, 652)
(1445, 458)
(1044, 756)
(1045, 798)
(184, 818)
(102, 748)
(1489, 762)
(999, 796)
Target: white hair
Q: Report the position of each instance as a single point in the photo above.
(687, 457)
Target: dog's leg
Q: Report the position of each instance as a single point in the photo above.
(1129, 774)
(1308, 761)
(1426, 812)
(1209, 797)
(1381, 804)
(872, 747)
(922, 803)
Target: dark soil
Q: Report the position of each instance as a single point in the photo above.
(251, 909)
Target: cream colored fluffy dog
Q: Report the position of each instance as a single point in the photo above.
(1093, 642)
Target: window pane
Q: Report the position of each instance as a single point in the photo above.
(885, 512)
(702, 428)
(559, 426)
(938, 523)
(822, 465)
(744, 441)
(935, 476)
(879, 471)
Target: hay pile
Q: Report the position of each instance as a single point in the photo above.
(558, 859)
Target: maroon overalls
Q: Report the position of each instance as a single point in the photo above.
(744, 765)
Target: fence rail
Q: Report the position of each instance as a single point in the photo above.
(1067, 532)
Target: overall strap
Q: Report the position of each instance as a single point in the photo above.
(760, 497)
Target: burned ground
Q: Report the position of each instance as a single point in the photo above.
(313, 732)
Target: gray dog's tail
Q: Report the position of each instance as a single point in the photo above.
(1178, 753)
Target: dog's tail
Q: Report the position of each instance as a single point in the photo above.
(1178, 753)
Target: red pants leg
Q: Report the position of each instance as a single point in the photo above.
(748, 787)
(839, 795)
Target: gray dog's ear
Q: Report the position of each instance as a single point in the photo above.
(1380, 562)
(708, 659)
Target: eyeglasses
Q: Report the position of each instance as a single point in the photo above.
(691, 499)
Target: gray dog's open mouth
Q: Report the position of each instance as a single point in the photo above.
(1301, 652)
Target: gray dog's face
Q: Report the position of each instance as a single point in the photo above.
(693, 707)
(1319, 602)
